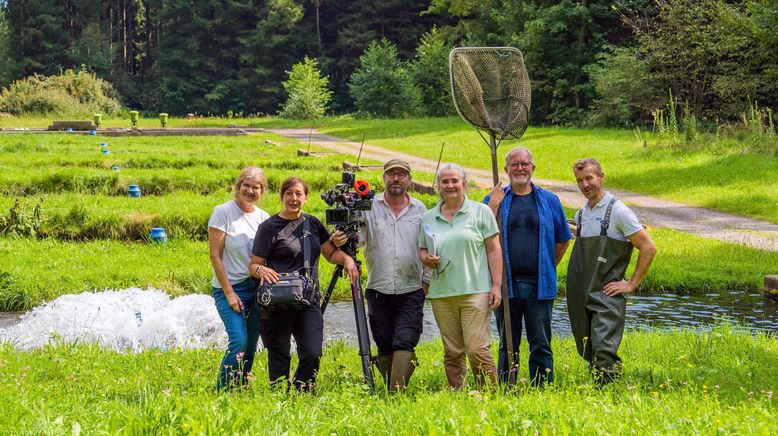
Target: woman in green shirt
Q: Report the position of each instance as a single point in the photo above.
(459, 242)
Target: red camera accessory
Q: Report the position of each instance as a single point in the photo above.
(362, 187)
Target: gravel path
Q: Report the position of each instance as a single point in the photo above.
(652, 211)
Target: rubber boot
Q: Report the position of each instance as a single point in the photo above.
(384, 364)
(403, 365)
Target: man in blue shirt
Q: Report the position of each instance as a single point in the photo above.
(535, 236)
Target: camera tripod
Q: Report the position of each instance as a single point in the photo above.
(350, 248)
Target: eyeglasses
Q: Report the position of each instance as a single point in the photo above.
(444, 263)
(394, 175)
(514, 165)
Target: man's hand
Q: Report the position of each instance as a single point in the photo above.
(496, 197)
(495, 297)
(338, 238)
(613, 289)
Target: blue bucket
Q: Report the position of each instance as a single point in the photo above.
(105, 151)
(103, 144)
(115, 167)
(158, 235)
(133, 191)
(69, 129)
(93, 132)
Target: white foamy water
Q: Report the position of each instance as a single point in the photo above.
(130, 319)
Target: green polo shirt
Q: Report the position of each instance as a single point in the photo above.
(462, 243)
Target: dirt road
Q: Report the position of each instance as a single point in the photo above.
(651, 211)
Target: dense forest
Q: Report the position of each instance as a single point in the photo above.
(590, 61)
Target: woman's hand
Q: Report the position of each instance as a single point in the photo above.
(234, 301)
(495, 296)
(266, 275)
(429, 260)
(338, 238)
(350, 270)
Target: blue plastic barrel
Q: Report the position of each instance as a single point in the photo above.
(133, 191)
(158, 235)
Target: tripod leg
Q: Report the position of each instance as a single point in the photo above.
(362, 334)
(326, 300)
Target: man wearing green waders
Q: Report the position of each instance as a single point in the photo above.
(606, 231)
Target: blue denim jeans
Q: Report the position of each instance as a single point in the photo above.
(537, 319)
(242, 331)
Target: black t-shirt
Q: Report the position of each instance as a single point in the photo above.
(285, 254)
(523, 233)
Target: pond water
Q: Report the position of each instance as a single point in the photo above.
(135, 319)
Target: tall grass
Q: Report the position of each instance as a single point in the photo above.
(680, 382)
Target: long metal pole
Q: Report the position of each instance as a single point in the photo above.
(506, 310)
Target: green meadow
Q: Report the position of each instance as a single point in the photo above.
(720, 381)
(722, 173)
(69, 226)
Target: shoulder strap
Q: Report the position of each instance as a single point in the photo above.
(306, 246)
(607, 219)
(287, 230)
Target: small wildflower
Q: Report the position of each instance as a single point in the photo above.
(526, 423)
(483, 414)
(655, 393)
(661, 386)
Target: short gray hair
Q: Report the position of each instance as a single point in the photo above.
(455, 167)
(516, 150)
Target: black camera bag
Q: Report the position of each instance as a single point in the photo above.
(291, 291)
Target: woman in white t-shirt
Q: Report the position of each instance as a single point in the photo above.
(231, 231)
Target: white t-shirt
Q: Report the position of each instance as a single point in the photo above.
(623, 221)
(240, 227)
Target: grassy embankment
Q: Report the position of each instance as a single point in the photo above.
(681, 382)
(94, 237)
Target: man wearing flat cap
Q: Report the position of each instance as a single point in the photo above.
(396, 280)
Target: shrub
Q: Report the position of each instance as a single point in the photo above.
(71, 93)
(381, 85)
(429, 71)
(308, 94)
(627, 91)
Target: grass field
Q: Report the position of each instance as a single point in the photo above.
(89, 235)
(723, 173)
(681, 382)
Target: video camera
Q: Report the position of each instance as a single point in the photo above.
(346, 201)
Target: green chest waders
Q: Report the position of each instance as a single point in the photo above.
(597, 320)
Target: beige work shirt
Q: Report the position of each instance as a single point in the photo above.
(391, 247)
